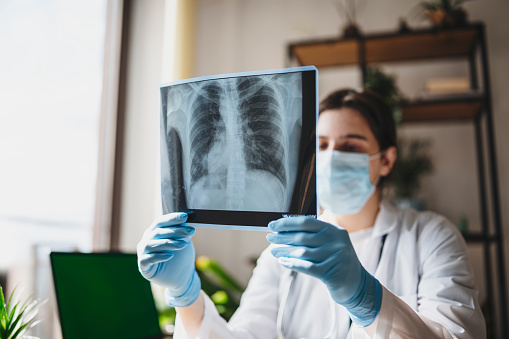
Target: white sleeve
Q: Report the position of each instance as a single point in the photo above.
(257, 313)
(447, 305)
(213, 326)
(398, 320)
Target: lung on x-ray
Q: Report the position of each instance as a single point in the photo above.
(238, 150)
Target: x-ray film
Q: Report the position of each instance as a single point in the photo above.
(238, 150)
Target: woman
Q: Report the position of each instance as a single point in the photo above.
(365, 268)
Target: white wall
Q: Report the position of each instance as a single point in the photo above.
(234, 36)
(140, 164)
(244, 35)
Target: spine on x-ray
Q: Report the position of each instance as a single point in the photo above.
(251, 124)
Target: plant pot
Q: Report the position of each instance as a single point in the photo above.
(442, 18)
(351, 31)
(437, 17)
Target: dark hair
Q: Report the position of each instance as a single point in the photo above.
(371, 106)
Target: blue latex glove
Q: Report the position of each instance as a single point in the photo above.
(166, 257)
(324, 251)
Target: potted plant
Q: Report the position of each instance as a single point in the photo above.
(217, 283)
(222, 288)
(412, 163)
(413, 159)
(349, 9)
(443, 13)
(17, 318)
(385, 85)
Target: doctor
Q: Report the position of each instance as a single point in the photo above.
(365, 269)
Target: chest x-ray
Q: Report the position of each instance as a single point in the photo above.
(238, 150)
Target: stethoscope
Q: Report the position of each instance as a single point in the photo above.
(286, 291)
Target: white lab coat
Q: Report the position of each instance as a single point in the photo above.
(428, 289)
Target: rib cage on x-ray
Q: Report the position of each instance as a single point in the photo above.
(260, 113)
(207, 127)
(240, 139)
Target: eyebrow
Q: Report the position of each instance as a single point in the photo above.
(348, 136)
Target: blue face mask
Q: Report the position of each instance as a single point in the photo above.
(343, 183)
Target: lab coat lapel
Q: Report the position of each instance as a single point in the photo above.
(385, 222)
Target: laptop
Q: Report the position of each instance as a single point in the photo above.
(103, 295)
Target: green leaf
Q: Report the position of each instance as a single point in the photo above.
(446, 5)
(220, 297)
(215, 269)
(2, 300)
(15, 320)
(26, 323)
(12, 311)
(430, 6)
(221, 309)
(223, 289)
(3, 314)
(13, 325)
(22, 328)
(11, 316)
(8, 307)
(385, 86)
(225, 278)
(412, 163)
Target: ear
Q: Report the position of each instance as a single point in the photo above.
(387, 161)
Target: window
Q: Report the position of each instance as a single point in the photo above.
(50, 93)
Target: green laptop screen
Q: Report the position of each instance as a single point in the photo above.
(103, 295)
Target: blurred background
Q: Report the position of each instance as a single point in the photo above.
(79, 114)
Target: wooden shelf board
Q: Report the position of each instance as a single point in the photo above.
(442, 109)
(435, 44)
(424, 44)
(328, 53)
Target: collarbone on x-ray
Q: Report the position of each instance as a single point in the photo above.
(240, 140)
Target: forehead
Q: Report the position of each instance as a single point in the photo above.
(339, 123)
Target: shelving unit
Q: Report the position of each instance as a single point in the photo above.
(467, 42)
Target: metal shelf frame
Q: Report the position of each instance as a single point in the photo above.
(467, 42)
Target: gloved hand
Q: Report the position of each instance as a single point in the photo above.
(324, 251)
(166, 257)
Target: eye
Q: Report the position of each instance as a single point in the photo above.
(322, 145)
(354, 145)
(351, 147)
